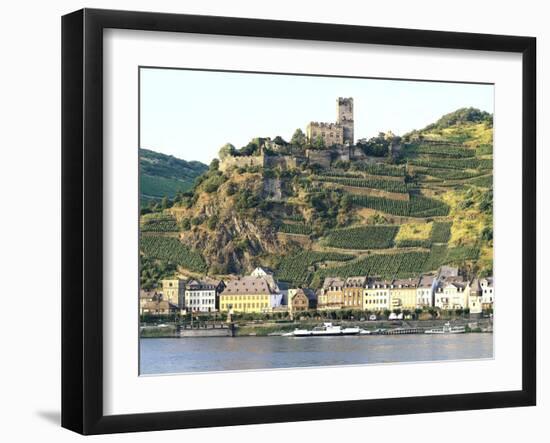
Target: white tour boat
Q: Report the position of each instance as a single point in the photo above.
(326, 330)
(447, 329)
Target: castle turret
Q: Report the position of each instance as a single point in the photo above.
(344, 113)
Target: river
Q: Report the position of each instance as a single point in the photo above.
(180, 355)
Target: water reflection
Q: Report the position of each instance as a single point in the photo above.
(163, 356)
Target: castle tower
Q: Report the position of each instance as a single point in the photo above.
(344, 117)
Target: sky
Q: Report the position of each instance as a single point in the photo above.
(191, 114)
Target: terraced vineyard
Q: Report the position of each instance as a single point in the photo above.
(483, 182)
(453, 163)
(295, 228)
(363, 237)
(159, 224)
(441, 232)
(417, 206)
(449, 174)
(381, 169)
(294, 268)
(294, 217)
(461, 253)
(340, 173)
(437, 257)
(440, 150)
(170, 249)
(485, 149)
(413, 243)
(381, 265)
(373, 183)
(401, 265)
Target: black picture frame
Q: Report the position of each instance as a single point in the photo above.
(82, 215)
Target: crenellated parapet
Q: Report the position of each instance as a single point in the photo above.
(241, 161)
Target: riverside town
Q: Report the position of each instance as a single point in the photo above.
(345, 230)
(260, 297)
(323, 234)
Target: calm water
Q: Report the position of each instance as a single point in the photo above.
(176, 355)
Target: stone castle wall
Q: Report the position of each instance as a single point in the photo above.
(342, 153)
(356, 153)
(281, 161)
(241, 162)
(331, 133)
(321, 157)
(269, 161)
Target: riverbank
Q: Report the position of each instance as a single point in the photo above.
(270, 328)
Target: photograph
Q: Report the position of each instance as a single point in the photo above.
(293, 221)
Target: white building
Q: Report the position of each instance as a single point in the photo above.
(276, 301)
(260, 272)
(451, 294)
(201, 296)
(487, 292)
(475, 297)
(425, 291)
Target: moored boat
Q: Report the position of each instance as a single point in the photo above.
(325, 330)
(447, 329)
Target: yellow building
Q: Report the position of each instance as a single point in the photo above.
(376, 295)
(247, 294)
(173, 291)
(353, 292)
(403, 294)
(331, 295)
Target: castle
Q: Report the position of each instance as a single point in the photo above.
(326, 143)
(331, 134)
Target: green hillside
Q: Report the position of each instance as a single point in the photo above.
(427, 204)
(164, 175)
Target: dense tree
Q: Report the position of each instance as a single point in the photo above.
(376, 146)
(212, 183)
(462, 115)
(280, 141)
(226, 150)
(319, 142)
(298, 138)
(214, 164)
(253, 147)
